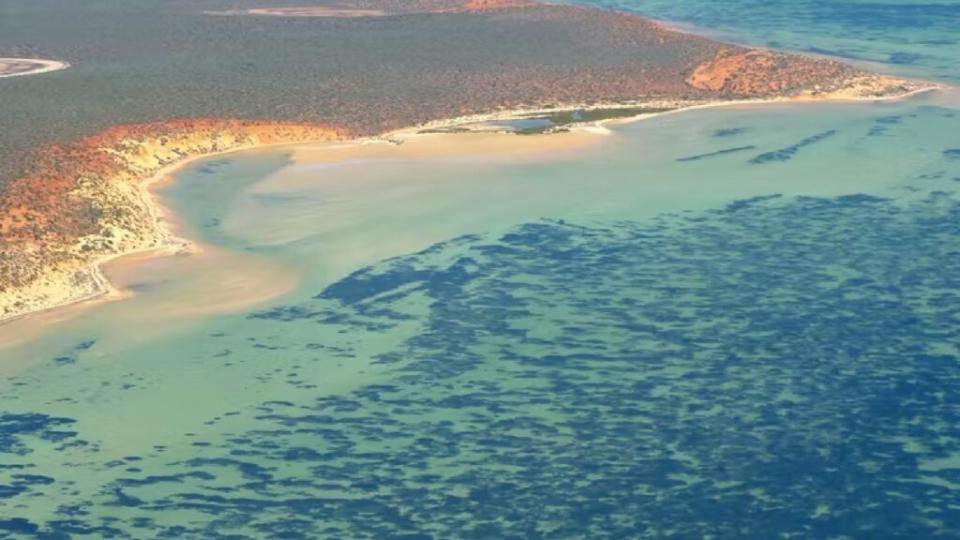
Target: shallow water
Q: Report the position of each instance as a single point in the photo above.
(738, 322)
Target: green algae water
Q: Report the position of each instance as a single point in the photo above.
(728, 323)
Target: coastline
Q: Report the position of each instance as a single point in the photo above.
(97, 288)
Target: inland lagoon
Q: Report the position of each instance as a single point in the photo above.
(737, 322)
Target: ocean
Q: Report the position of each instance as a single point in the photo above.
(731, 323)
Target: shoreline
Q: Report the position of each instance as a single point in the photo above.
(167, 243)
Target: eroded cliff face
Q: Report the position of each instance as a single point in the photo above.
(87, 201)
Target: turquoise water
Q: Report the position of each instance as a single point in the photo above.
(731, 322)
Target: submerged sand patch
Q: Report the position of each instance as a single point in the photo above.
(313, 166)
(17, 67)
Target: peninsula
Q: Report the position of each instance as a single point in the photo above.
(78, 150)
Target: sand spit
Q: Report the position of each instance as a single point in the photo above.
(18, 67)
(414, 143)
